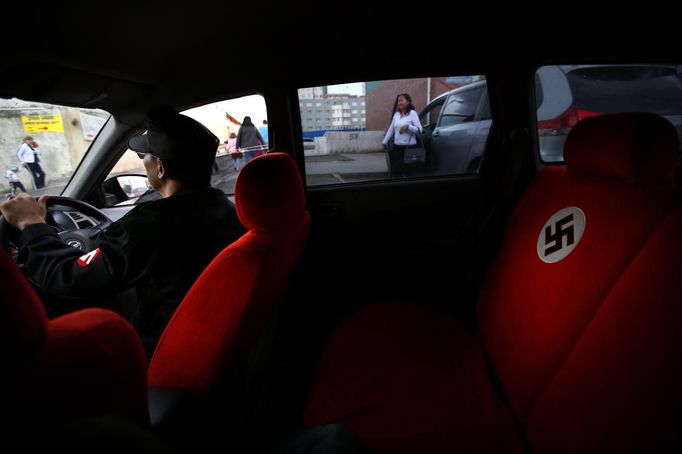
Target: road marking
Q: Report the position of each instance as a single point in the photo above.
(338, 177)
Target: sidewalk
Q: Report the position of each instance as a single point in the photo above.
(321, 169)
(226, 177)
(346, 164)
(345, 168)
(53, 188)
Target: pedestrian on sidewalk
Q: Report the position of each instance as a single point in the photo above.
(264, 132)
(14, 181)
(232, 149)
(249, 140)
(402, 133)
(29, 155)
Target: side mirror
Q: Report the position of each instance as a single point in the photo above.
(124, 187)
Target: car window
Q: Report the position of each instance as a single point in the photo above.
(566, 94)
(430, 115)
(656, 93)
(127, 179)
(348, 133)
(484, 108)
(42, 144)
(460, 107)
(539, 90)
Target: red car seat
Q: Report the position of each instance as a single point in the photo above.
(88, 363)
(579, 321)
(222, 315)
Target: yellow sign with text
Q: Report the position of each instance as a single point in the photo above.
(42, 123)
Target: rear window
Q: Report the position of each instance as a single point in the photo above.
(351, 132)
(566, 94)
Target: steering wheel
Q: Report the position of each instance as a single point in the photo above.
(82, 239)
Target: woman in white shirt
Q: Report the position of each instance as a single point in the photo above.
(29, 155)
(402, 132)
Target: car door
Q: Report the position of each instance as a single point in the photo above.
(378, 234)
(454, 134)
(483, 122)
(429, 119)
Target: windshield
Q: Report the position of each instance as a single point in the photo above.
(222, 118)
(42, 144)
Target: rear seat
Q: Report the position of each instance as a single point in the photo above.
(579, 320)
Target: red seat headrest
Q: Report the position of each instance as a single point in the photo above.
(269, 193)
(22, 315)
(635, 147)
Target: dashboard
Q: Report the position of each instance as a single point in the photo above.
(70, 220)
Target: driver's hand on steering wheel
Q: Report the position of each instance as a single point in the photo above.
(24, 210)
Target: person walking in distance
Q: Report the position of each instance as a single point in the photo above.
(29, 155)
(249, 140)
(15, 183)
(232, 149)
(264, 132)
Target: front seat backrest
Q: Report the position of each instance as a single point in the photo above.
(227, 308)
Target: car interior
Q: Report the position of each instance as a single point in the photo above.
(506, 303)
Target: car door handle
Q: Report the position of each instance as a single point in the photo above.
(436, 134)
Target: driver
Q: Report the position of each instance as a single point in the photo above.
(159, 247)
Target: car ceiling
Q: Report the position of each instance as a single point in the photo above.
(124, 56)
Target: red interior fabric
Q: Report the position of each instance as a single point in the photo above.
(228, 307)
(269, 193)
(635, 147)
(407, 378)
(91, 363)
(619, 389)
(22, 315)
(587, 348)
(532, 313)
(86, 363)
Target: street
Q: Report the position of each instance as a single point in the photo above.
(226, 177)
(320, 170)
(345, 168)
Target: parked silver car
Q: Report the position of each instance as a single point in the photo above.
(457, 123)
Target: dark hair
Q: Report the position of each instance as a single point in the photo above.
(233, 135)
(247, 121)
(410, 106)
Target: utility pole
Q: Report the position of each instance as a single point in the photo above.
(428, 90)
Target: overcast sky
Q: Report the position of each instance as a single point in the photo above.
(357, 88)
(213, 115)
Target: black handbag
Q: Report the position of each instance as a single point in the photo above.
(415, 153)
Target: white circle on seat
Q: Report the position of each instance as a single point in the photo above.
(561, 234)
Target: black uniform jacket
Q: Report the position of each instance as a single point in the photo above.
(160, 247)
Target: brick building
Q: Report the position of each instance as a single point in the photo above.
(380, 96)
